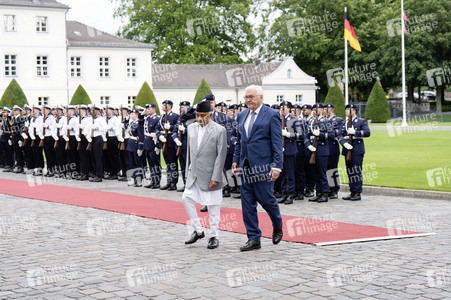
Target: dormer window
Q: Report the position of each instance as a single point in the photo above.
(289, 73)
(9, 23)
(41, 24)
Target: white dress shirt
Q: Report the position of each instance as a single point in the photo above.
(248, 119)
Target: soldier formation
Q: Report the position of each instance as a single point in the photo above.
(95, 143)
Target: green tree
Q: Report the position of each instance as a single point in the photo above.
(80, 97)
(336, 97)
(377, 109)
(13, 95)
(146, 96)
(190, 31)
(202, 91)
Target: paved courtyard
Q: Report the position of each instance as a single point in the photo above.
(56, 251)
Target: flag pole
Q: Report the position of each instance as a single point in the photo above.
(404, 121)
(346, 68)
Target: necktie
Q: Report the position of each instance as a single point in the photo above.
(251, 123)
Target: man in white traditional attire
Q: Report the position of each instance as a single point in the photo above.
(206, 154)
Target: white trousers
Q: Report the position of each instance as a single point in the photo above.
(214, 212)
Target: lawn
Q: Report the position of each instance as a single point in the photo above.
(403, 160)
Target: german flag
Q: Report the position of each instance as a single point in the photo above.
(350, 35)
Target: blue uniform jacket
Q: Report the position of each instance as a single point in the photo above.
(362, 130)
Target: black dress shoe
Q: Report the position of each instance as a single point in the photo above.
(204, 208)
(172, 187)
(181, 190)
(194, 237)
(348, 197)
(322, 198)
(283, 199)
(112, 177)
(299, 196)
(314, 199)
(96, 179)
(250, 245)
(8, 169)
(226, 193)
(155, 186)
(277, 235)
(213, 243)
(333, 195)
(278, 194)
(165, 187)
(309, 193)
(122, 178)
(356, 197)
(83, 177)
(290, 199)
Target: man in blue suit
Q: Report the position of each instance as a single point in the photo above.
(258, 161)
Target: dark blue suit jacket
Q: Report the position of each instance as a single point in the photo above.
(263, 147)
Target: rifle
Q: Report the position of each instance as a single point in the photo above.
(79, 130)
(283, 122)
(105, 145)
(57, 131)
(315, 140)
(166, 132)
(41, 142)
(179, 149)
(25, 142)
(33, 143)
(349, 154)
(89, 147)
(122, 145)
(68, 130)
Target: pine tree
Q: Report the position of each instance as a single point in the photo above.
(80, 97)
(13, 95)
(336, 97)
(146, 96)
(202, 91)
(377, 109)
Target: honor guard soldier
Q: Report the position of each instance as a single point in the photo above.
(29, 158)
(85, 132)
(6, 138)
(60, 149)
(113, 135)
(151, 150)
(308, 168)
(276, 107)
(50, 136)
(302, 155)
(334, 150)
(99, 129)
(35, 133)
(180, 138)
(74, 139)
(124, 157)
(166, 127)
(289, 154)
(353, 132)
(317, 140)
(18, 124)
(135, 148)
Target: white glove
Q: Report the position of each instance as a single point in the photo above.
(122, 126)
(167, 126)
(89, 139)
(178, 143)
(140, 152)
(20, 144)
(58, 125)
(157, 151)
(27, 124)
(94, 127)
(24, 135)
(120, 139)
(285, 133)
(162, 139)
(181, 128)
(351, 131)
(81, 126)
(347, 146)
(311, 148)
(10, 142)
(41, 136)
(77, 138)
(104, 139)
(109, 127)
(316, 132)
(153, 135)
(55, 137)
(147, 134)
(32, 136)
(32, 125)
(66, 138)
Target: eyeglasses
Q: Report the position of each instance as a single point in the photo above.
(249, 97)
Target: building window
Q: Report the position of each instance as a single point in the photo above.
(10, 65)
(42, 66)
(75, 66)
(131, 67)
(41, 24)
(279, 98)
(104, 100)
(131, 100)
(289, 73)
(298, 98)
(104, 64)
(43, 101)
(10, 23)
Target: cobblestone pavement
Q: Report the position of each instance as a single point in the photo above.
(55, 251)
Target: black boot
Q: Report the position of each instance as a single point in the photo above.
(165, 187)
(308, 193)
(278, 194)
(315, 199)
(290, 198)
(356, 197)
(322, 198)
(284, 198)
(172, 187)
(333, 195)
(299, 196)
(348, 197)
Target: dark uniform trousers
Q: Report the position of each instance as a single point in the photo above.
(85, 157)
(332, 163)
(18, 153)
(37, 154)
(124, 159)
(72, 154)
(50, 155)
(300, 174)
(354, 170)
(29, 157)
(61, 156)
(154, 165)
(112, 155)
(170, 157)
(97, 149)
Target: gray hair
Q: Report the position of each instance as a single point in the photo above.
(258, 89)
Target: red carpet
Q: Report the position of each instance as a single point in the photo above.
(296, 229)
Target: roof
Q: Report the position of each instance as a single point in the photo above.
(81, 35)
(217, 76)
(34, 3)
